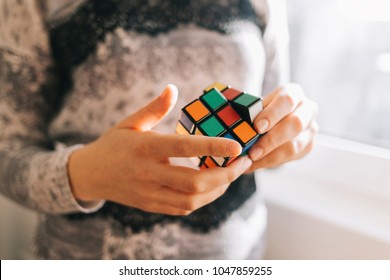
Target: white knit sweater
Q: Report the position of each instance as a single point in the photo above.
(70, 69)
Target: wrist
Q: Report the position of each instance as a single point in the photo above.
(81, 175)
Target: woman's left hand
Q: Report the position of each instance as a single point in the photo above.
(288, 121)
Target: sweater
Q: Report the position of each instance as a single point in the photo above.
(70, 69)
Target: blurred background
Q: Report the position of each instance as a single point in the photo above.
(340, 52)
(334, 204)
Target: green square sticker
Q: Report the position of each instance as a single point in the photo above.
(214, 99)
(212, 127)
(245, 99)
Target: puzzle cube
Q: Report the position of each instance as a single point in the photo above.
(192, 115)
(248, 106)
(221, 111)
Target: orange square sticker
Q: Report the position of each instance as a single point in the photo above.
(197, 110)
(245, 132)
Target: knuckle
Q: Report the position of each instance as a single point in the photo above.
(184, 212)
(296, 123)
(195, 185)
(211, 146)
(288, 99)
(181, 147)
(269, 143)
(291, 149)
(189, 204)
(231, 175)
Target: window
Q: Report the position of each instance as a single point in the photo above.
(340, 52)
(335, 203)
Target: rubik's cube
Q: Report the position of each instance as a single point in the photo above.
(221, 111)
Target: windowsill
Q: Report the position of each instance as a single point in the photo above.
(341, 185)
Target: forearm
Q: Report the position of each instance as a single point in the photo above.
(37, 178)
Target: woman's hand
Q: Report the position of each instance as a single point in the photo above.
(129, 164)
(288, 121)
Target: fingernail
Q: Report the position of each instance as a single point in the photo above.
(233, 149)
(262, 125)
(255, 153)
(173, 88)
(169, 87)
(246, 164)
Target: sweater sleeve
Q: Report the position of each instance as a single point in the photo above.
(276, 44)
(33, 172)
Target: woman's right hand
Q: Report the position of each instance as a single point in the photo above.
(129, 164)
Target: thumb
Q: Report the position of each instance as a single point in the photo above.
(150, 115)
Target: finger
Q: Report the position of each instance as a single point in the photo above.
(291, 150)
(285, 130)
(194, 181)
(150, 197)
(166, 210)
(174, 145)
(278, 105)
(159, 208)
(150, 115)
(158, 196)
(184, 200)
(218, 176)
(305, 142)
